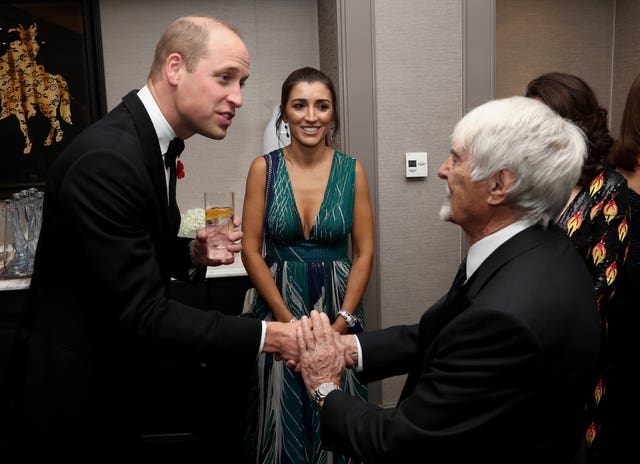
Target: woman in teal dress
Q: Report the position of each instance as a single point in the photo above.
(304, 204)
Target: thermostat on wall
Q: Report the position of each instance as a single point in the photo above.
(416, 164)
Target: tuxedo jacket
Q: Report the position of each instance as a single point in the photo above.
(499, 374)
(98, 305)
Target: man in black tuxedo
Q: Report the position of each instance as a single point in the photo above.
(98, 302)
(498, 368)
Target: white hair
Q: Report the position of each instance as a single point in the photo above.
(544, 151)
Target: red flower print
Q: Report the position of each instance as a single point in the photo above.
(623, 228)
(595, 210)
(574, 222)
(610, 210)
(596, 184)
(611, 272)
(599, 252)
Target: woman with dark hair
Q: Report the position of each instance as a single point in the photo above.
(304, 204)
(623, 346)
(595, 218)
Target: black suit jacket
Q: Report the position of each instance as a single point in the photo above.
(97, 305)
(498, 375)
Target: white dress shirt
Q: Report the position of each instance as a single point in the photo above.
(163, 130)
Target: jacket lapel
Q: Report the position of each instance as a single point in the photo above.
(509, 250)
(151, 152)
(443, 312)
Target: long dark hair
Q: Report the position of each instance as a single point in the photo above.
(626, 150)
(309, 75)
(573, 99)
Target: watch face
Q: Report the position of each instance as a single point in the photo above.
(322, 391)
(325, 388)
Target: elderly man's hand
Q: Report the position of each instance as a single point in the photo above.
(350, 353)
(322, 354)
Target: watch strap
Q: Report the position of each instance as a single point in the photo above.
(322, 391)
(349, 318)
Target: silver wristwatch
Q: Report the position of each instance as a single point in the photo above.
(349, 318)
(322, 391)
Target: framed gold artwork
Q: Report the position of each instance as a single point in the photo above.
(51, 84)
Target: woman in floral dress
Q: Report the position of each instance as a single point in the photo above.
(595, 218)
(625, 306)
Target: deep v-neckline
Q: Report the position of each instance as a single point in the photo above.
(298, 216)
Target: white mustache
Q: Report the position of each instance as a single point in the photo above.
(445, 209)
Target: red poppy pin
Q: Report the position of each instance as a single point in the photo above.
(179, 170)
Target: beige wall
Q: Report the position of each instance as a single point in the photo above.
(538, 36)
(626, 65)
(281, 35)
(418, 75)
(596, 40)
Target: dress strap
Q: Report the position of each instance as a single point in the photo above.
(272, 159)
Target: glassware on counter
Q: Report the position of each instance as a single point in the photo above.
(22, 215)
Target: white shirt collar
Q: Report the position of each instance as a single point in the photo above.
(481, 250)
(163, 129)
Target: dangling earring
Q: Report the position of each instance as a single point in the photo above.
(331, 132)
(282, 130)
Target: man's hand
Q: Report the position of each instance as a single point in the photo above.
(281, 340)
(322, 354)
(351, 350)
(199, 251)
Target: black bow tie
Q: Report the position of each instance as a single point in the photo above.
(173, 152)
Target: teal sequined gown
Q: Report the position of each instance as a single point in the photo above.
(282, 423)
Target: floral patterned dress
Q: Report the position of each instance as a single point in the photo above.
(624, 346)
(597, 223)
(283, 425)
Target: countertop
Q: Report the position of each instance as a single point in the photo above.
(227, 270)
(235, 269)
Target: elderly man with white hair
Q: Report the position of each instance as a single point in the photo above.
(499, 367)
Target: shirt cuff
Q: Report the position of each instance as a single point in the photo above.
(359, 364)
(262, 336)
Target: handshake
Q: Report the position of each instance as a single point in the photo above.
(311, 346)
